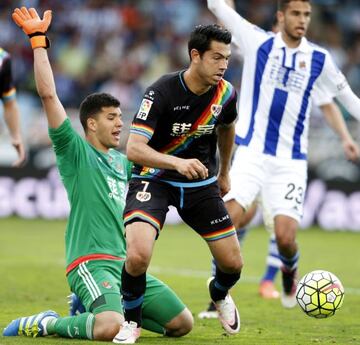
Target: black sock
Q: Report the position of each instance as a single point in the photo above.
(132, 290)
(222, 283)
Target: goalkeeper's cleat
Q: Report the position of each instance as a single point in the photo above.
(75, 305)
(228, 314)
(267, 290)
(128, 334)
(209, 313)
(30, 326)
(288, 296)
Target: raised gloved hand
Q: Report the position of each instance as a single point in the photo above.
(33, 25)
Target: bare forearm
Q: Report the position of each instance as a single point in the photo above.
(143, 154)
(44, 78)
(45, 85)
(226, 136)
(335, 120)
(12, 118)
(140, 152)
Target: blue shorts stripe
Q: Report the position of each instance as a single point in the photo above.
(179, 184)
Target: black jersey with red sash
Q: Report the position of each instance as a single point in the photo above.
(180, 123)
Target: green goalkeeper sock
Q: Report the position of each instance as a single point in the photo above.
(152, 326)
(78, 327)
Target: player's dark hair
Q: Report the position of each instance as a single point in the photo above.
(202, 36)
(282, 4)
(93, 104)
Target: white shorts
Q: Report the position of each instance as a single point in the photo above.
(279, 183)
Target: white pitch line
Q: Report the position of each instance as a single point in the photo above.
(187, 272)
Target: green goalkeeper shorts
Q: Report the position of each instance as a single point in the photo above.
(98, 284)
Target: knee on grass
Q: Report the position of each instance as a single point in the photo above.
(180, 325)
(107, 325)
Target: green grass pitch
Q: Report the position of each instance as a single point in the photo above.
(33, 279)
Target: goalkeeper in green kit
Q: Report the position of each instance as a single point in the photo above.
(95, 176)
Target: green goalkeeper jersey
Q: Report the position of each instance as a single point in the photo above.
(95, 183)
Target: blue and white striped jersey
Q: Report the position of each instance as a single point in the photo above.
(278, 84)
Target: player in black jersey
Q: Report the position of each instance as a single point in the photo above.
(11, 109)
(183, 118)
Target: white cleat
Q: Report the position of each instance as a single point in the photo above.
(209, 313)
(228, 315)
(288, 301)
(128, 334)
(227, 312)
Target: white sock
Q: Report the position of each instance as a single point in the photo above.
(44, 323)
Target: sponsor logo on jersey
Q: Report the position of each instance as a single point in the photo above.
(143, 196)
(216, 109)
(144, 109)
(114, 188)
(180, 129)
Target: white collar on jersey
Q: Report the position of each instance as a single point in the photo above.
(304, 46)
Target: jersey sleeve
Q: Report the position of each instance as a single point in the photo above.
(229, 111)
(320, 97)
(151, 109)
(331, 79)
(68, 146)
(246, 36)
(7, 88)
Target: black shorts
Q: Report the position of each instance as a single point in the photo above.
(200, 207)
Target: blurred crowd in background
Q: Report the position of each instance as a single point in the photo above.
(122, 46)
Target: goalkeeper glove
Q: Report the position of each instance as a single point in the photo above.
(33, 25)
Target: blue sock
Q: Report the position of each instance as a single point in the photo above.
(270, 273)
(273, 261)
(290, 264)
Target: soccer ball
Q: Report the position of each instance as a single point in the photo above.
(320, 294)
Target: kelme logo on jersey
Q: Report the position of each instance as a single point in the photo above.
(216, 109)
(143, 196)
(144, 109)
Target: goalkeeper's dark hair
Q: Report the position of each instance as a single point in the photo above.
(93, 104)
(283, 4)
(202, 36)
